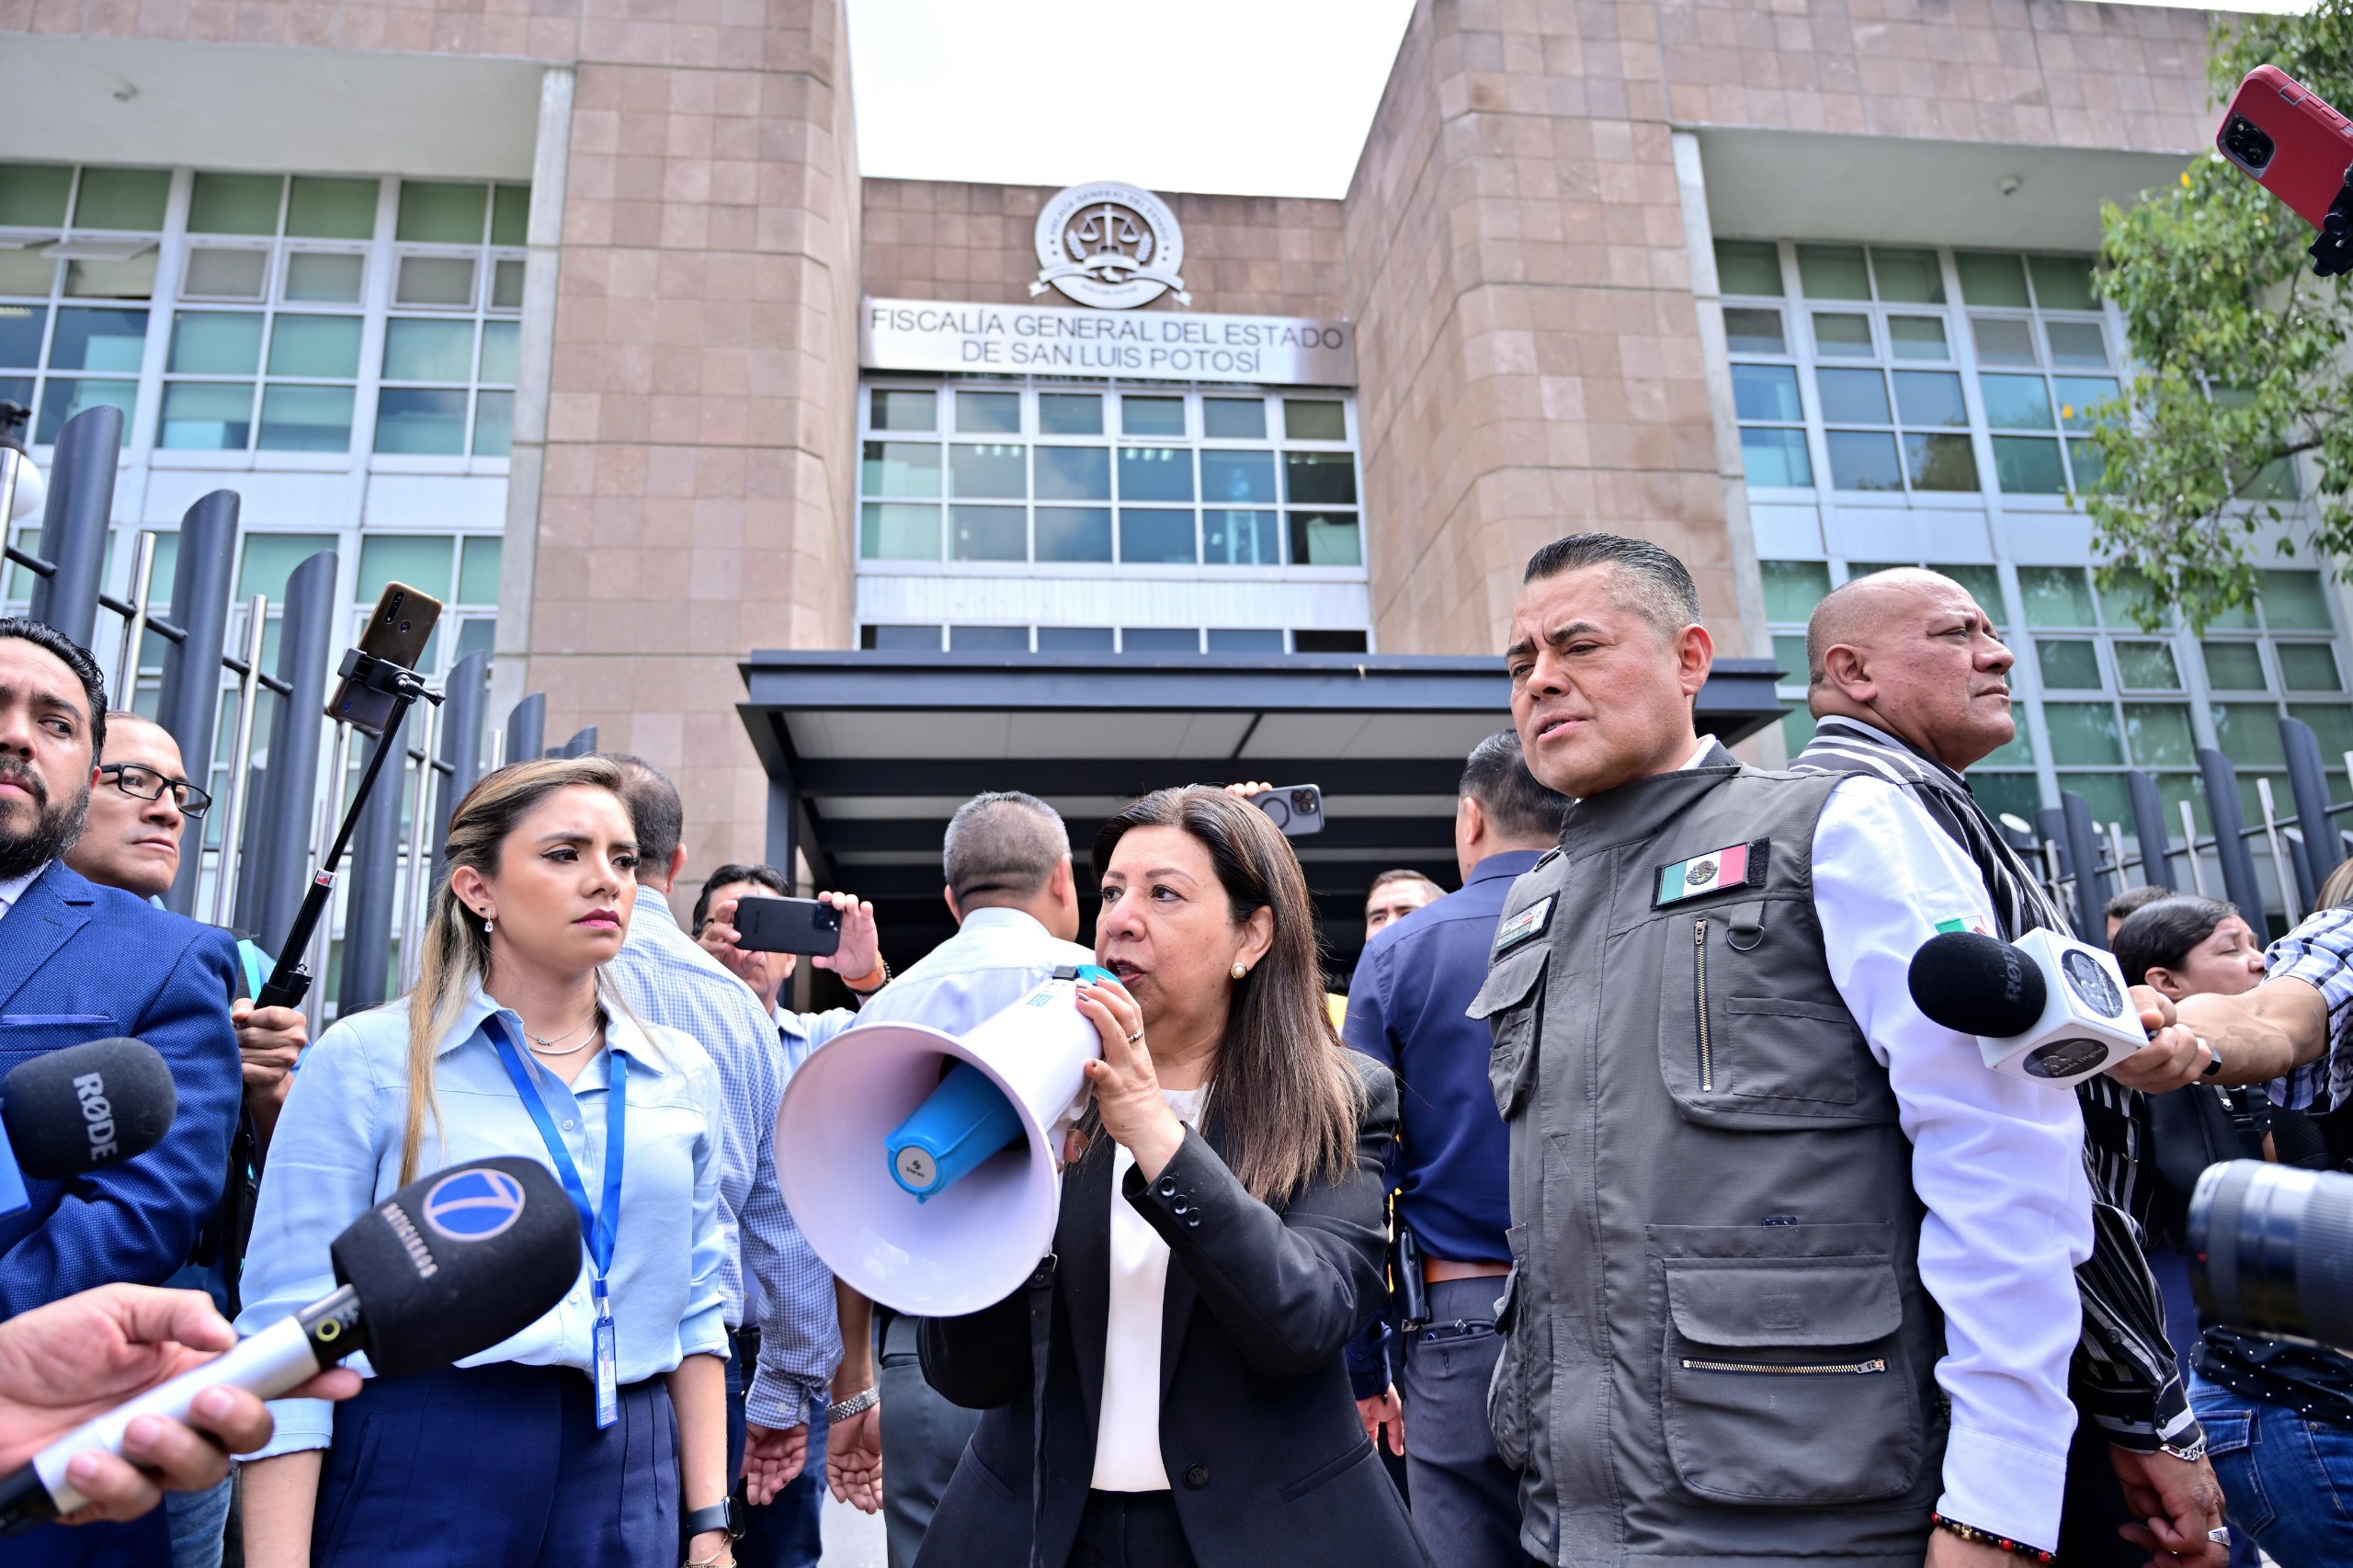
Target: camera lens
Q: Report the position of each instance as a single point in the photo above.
(2246, 141)
(1303, 801)
(2271, 1249)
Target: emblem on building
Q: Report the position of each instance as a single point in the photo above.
(1111, 246)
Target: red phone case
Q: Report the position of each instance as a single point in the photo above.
(2312, 144)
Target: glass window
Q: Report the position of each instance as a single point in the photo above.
(1908, 276)
(2015, 402)
(1930, 397)
(122, 198)
(1074, 473)
(1833, 272)
(1767, 393)
(207, 415)
(1863, 459)
(2024, 465)
(493, 423)
(1235, 478)
(1775, 457)
(2088, 463)
(507, 280)
(27, 272)
(2076, 344)
(214, 273)
(1748, 266)
(1748, 330)
(900, 639)
(62, 399)
(2079, 395)
(1940, 462)
(2004, 340)
(1233, 418)
(442, 212)
(2308, 667)
(500, 351)
(331, 208)
(2332, 726)
(33, 196)
(2147, 666)
(993, 471)
(901, 467)
(2068, 666)
(987, 533)
(1325, 539)
(1155, 473)
(234, 204)
(1062, 414)
(898, 532)
(2160, 735)
(2292, 601)
(421, 421)
(2235, 666)
(102, 340)
(1148, 535)
(2248, 734)
(1225, 640)
(271, 558)
(1314, 419)
(1151, 416)
(325, 278)
(2063, 282)
(1160, 639)
(430, 280)
(2083, 733)
(2056, 595)
(1984, 585)
(988, 639)
(1793, 588)
(1320, 478)
(1074, 639)
(892, 408)
(216, 343)
(1987, 279)
(1837, 335)
(21, 330)
(1853, 397)
(2125, 599)
(419, 348)
(1917, 337)
(1240, 538)
(1321, 640)
(988, 414)
(306, 419)
(422, 561)
(132, 280)
(510, 215)
(1789, 653)
(1073, 533)
(478, 570)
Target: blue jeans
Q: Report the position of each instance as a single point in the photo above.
(2288, 1481)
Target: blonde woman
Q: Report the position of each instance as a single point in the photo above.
(533, 1452)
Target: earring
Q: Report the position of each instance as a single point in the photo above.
(1240, 969)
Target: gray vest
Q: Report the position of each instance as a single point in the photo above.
(1718, 1347)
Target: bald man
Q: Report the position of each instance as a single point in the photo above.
(1909, 682)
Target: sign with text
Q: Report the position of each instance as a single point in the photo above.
(951, 336)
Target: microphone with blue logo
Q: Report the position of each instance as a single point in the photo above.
(448, 1266)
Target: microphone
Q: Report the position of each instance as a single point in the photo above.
(88, 1105)
(448, 1266)
(2046, 1007)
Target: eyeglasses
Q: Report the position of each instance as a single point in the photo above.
(146, 784)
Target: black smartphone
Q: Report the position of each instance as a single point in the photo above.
(787, 926)
(1297, 809)
(397, 633)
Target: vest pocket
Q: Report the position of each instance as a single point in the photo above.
(1731, 1053)
(1507, 1385)
(1785, 1382)
(1512, 1001)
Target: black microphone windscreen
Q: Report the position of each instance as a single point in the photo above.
(86, 1105)
(457, 1261)
(1977, 984)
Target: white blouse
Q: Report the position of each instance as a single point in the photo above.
(1127, 1435)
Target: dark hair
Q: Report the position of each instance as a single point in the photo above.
(1284, 1094)
(656, 812)
(1496, 776)
(768, 877)
(47, 638)
(2160, 932)
(2124, 904)
(1402, 874)
(1005, 844)
(1663, 589)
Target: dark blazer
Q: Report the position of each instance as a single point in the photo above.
(1268, 1461)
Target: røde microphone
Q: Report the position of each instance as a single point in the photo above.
(449, 1265)
(2047, 1007)
(74, 1110)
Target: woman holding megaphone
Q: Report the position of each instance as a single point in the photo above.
(1168, 1389)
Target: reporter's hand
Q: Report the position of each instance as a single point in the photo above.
(2174, 1056)
(73, 1360)
(1383, 1410)
(854, 1460)
(269, 1040)
(772, 1458)
(2179, 1499)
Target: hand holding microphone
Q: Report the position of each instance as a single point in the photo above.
(2046, 1008)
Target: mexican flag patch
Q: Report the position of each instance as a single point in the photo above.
(1737, 866)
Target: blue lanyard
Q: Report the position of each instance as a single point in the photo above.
(596, 1230)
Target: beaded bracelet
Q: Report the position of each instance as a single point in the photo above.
(1976, 1537)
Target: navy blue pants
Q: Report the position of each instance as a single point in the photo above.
(499, 1467)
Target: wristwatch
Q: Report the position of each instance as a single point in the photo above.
(719, 1516)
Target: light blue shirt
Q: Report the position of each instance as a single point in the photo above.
(338, 1152)
(994, 958)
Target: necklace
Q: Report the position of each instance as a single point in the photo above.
(541, 1047)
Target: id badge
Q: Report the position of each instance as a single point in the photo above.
(609, 1394)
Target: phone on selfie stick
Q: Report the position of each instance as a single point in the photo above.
(787, 926)
(2282, 136)
(378, 686)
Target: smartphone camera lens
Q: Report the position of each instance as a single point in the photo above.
(2248, 144)
(1303, 802)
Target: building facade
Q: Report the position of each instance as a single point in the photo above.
(579, 315)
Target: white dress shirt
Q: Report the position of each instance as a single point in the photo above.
(14, 888)
(1127, 1430)
(996, 957)
(1998, 1160)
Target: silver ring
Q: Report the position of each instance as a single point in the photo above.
(1135, 1037)
(2220, 1535)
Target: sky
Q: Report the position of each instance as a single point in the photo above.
(1254, 97)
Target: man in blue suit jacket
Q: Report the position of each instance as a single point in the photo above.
(80, 962)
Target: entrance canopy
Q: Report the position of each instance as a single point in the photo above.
(868, 753)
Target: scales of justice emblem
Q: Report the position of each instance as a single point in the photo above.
(1110, 246)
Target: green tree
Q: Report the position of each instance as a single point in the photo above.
(2240, 358)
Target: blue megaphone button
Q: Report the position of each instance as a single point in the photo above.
(966, 1120)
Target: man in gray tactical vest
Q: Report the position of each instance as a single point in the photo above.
(1793, 1270)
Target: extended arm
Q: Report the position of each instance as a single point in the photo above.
(2261, 1034)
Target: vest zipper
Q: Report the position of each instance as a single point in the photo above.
(1780, 1369)
(1699, 1004)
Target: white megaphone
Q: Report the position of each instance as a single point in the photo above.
(926, 1169)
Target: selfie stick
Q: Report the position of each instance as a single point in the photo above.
(291, 980)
